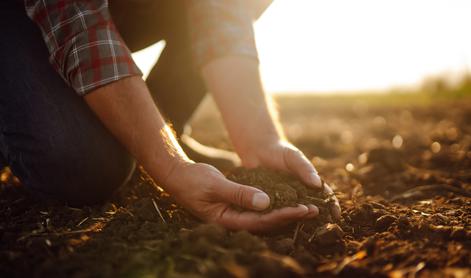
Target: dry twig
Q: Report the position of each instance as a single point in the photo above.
(299, 227)
(158, 211)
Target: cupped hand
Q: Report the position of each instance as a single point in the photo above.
(206, 193)
(282, 155)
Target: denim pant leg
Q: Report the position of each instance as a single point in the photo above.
(50, 138)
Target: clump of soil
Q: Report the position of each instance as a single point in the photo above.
(283, 189)
(228, 254)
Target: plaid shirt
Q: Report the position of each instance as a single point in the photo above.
(88, 52)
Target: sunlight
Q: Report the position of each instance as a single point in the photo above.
(323, 46)
(147, 57)
(331, 46)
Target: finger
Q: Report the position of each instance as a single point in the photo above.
(298, 164)
(313, 211)
(335, 211)
(257, 222)
(335, 208)
(242, 195)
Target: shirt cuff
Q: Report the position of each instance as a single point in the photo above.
(96, 57)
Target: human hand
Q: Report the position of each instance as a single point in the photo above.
(250, 118)
(207, 194)
(282, 155)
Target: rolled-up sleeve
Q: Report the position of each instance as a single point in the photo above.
(222, 28)
(84, 45)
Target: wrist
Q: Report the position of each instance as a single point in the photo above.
(167, 156)
(256, 138)
(162, 170)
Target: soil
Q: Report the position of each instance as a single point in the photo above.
(400, 171)
(284, 189)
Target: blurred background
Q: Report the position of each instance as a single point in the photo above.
(367, 46)
(351, 77)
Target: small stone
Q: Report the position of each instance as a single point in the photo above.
(384, 222)
(284, 246)
(328, 234)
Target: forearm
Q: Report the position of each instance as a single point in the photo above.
(248, 114)
(128, 111)
(126, 108)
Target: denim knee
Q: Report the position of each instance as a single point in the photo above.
(49, 136)
(87, 174)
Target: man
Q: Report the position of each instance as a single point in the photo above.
(63, 127)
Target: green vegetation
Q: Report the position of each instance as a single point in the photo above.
(433, 89)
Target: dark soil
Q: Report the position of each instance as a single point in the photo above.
(400, 172)
(283, 189)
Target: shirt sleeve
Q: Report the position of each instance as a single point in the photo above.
(84, 45)
(258, 7)
(223, 28)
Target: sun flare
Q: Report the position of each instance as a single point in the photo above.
(326, 46)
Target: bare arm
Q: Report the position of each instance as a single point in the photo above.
(251, 119)
(235, 84)
(128, 111)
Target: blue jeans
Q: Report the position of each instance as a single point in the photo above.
(48, 135)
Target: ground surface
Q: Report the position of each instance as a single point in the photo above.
(401, 171)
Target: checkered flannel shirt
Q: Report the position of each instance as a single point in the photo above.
(88, 52)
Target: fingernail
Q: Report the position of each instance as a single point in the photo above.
(316, 180)
(304, 207)
(313, 210)
(260, 201)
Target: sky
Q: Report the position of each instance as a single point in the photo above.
(354, 45)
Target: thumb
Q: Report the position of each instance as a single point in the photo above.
(242, 195)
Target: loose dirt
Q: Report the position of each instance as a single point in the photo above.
(400, 172)
(284, 189)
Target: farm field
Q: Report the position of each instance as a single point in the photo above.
(400, 167)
